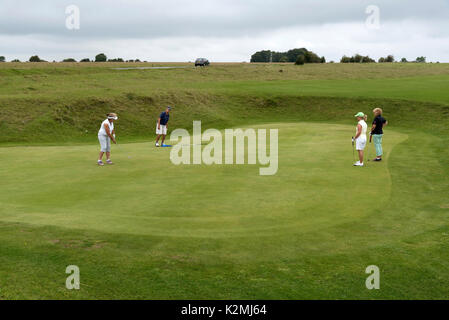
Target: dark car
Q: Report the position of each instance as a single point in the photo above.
(202, 62)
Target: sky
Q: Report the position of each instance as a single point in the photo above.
(222, 30)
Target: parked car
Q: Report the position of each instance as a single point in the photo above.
(202, 62)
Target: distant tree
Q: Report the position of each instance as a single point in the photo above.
(2, 59)
(35, 59)
(323, 60)
(15, 60)
(261, 56)
(311, 57)
(421, 59)
(137, 60)
(291, 56)
(389, 58)
(276, 56)
(300, 60)
(69, 60)
(85, 60)
(294, 53)
(116, 60)
(345, 59)
(404, 60)
(101, 58)
(356, 59)
(367, 59)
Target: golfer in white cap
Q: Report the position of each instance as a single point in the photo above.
(360, 136)
(106, 134)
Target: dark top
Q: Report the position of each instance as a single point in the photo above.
(164, 118)
(379, 121)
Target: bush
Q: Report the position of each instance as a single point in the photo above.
(2, 59)
(15, 60)
(345, 59)
(356, 59)
(300, 60)
(421, 59)
(69, 60)
(289, 56)
(85, 60)
(404, 60)
(389, 59)
(367, 59)
(311, 57)
(101, 58)
(35, 59)
(116, 60)
(261, 56)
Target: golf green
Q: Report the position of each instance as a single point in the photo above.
(144, 193)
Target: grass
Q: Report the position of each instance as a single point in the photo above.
(146, 229)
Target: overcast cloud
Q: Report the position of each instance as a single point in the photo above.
(222, 30)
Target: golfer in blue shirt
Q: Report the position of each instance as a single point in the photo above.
(377, 132)
(161, 127)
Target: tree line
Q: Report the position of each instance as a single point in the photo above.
(299, 56)
(357, 58)
(101, 57)
(302, 56)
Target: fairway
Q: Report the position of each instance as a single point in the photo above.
(145, 228)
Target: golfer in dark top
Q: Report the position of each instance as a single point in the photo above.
(377, 132)
(161, 127)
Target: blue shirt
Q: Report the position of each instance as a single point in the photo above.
(164, 118)
(379, 121)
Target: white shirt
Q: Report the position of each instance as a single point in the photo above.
(364, 129)
(102, 131)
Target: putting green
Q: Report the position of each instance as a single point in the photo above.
(316, 187)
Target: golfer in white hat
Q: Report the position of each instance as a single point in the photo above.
(106, 134)
(360, 136)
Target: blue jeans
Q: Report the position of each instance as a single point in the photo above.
(377, 138)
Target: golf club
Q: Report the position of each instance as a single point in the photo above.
(353, 150)
(367, 151)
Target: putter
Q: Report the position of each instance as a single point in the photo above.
(367, 151)
(353, 150)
